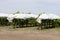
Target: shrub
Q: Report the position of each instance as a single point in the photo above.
(29, 22)
(57, 21)
(48, 23)
(32, 21)
(4, 21)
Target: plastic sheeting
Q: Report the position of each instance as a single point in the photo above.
(47, 16)
(4, 15)
(53, 16)
(20, 16)
(24, 16)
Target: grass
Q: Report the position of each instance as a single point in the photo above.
(29, 29)
(17, 29)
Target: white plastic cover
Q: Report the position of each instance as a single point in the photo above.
(47, 16)
(4, 15)
(20, 16)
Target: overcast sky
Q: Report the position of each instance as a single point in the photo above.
(35, 6)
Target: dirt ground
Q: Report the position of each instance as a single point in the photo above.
(29, 35)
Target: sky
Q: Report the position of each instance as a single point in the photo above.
(34, 6)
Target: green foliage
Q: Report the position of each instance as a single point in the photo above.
(32, 21)
(29, 12)
(4, 21)
(48, 23)
(29, 22)
(18, 12)
(57, 21)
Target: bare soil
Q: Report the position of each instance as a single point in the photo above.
(29, 35)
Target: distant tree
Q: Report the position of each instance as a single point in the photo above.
(29, 12)
(18, 12)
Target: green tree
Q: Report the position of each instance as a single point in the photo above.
(18, 12)
(29, 12)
